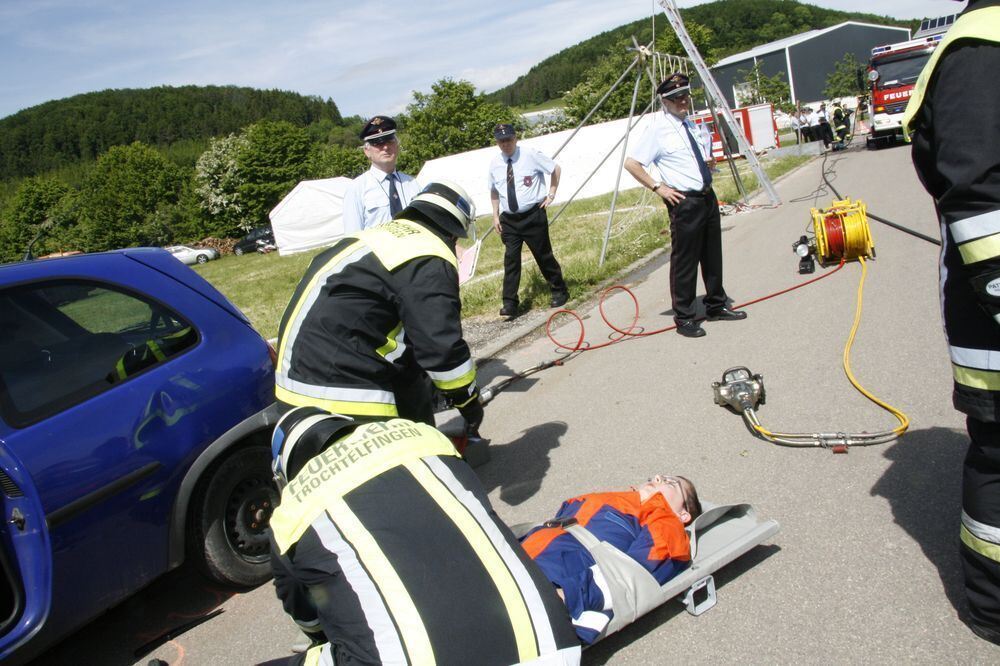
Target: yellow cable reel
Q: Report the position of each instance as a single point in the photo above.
(842, 232)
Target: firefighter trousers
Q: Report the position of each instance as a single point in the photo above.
(981, 523)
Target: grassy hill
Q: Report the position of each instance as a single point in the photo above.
(734, 25)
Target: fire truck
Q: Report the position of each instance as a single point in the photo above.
(892, 73)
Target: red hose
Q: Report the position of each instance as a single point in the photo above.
(631, 331)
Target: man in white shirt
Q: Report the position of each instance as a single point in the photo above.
(685, 185)
(519, 196)
(378, 194)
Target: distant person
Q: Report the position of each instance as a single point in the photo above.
(519, 197)
(825, 131)
(956, 152)
(646, 523)
(378, 194)
(793, 121)
(685, 185)
(841, 124)
(804, 124)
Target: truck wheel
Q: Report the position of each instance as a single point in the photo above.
(228, 531)
(238, 252)
(871, 144)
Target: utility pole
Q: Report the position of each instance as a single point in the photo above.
(713, 93)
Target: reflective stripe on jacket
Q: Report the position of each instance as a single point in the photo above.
(377, 302)
(392, 537)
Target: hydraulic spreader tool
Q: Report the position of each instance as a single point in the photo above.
(840, 234)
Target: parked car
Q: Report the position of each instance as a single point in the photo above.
(192, 255)
(136, 405)
(248, 243)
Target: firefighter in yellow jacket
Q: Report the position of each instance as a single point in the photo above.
(952, 117)
(385, 550)
(377, 317)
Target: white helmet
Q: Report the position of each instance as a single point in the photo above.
(447, 205)
(300, 434)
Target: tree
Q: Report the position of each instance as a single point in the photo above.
(702, 36)
(119, 200)
(451, 119)
(847, 78)
(762, 89)
(218, 180)
(30, 215)
(595, 84)
(274, 158)
(330, 161)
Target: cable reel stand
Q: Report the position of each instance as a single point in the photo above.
(840, 233)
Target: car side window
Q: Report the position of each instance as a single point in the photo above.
(68, 340)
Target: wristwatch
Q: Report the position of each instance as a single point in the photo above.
(657, 185)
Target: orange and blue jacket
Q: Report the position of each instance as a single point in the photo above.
(649, 532)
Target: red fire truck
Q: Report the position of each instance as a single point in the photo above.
(892, 72)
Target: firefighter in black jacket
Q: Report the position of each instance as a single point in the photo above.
(378, 313)
(385, 550)
(956, 150)
(841, 125)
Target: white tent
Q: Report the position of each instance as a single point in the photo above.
(310, 215)
(578, 159)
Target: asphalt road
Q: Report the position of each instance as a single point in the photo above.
(865, 568)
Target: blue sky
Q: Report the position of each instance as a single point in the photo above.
(367, 56)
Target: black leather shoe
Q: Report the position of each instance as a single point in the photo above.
(690, 329)
(558, 300)
(508, 311)
(725, 314)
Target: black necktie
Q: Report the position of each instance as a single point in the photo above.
(706, 175)
(394, 204)
(511, 194)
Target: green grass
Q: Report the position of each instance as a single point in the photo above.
(261, 285)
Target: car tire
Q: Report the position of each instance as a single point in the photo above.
(238, 252)
(228, 534)
(202, 258)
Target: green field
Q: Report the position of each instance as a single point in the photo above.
(262, 284)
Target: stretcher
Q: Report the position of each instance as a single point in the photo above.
(721, 534)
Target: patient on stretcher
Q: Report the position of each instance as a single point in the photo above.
(646, 523)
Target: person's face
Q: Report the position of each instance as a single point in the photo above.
(507, 146)
(383, 153)
(674, 490)
(677, 105)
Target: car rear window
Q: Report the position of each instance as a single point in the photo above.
(68, 340)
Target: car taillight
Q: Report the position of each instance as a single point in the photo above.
(273, 353)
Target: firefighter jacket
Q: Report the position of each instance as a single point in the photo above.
(386, 543)
(649, 532)
(952, 116)
(368, 310)
(839, 118)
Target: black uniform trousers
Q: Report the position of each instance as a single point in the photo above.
(981, 501)
(695, 239)
(532, 228)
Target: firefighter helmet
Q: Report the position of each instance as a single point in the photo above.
(302, 433)
(447, 206)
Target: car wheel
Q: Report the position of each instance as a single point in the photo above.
(202, 258)
(228, 533)
(238, 252)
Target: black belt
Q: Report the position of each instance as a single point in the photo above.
(517, 217)
(704, 192)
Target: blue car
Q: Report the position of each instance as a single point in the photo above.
(136, 404)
